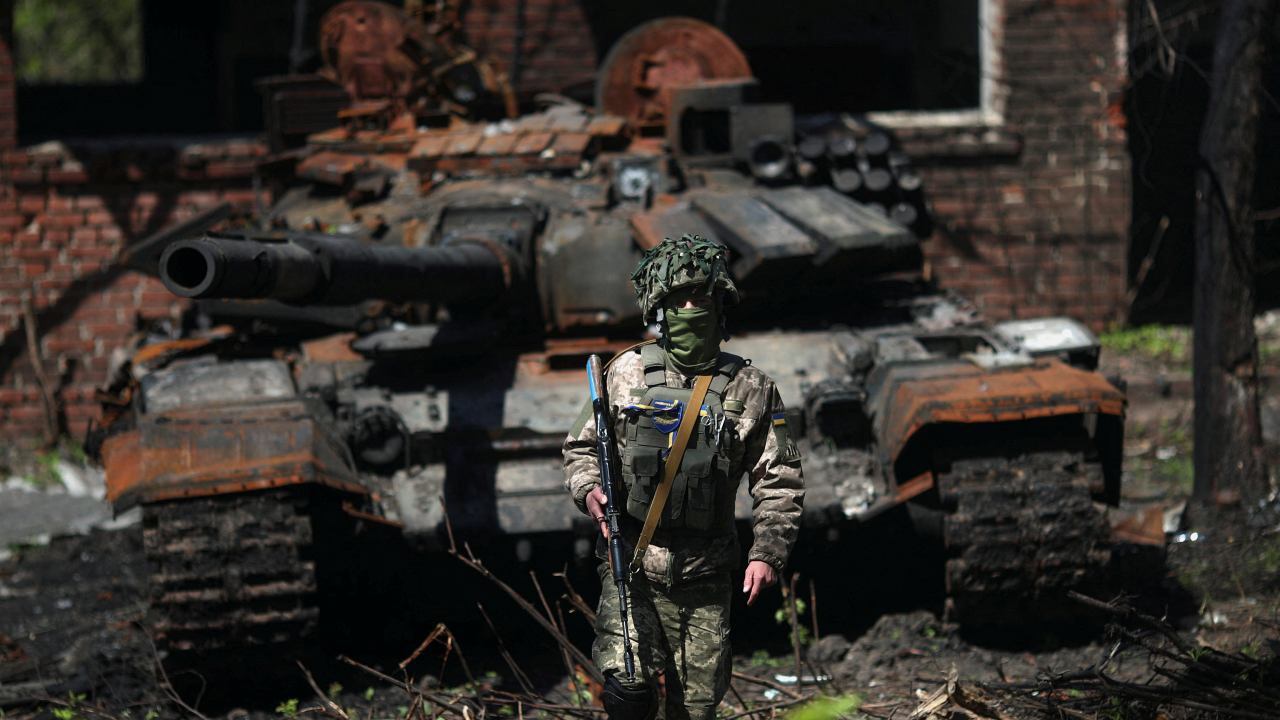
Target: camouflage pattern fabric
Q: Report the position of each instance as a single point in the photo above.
(756, 445)
(680, 600)
(680, 631)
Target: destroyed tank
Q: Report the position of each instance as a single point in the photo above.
(406, 332)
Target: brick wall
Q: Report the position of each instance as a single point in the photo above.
(64, 217)
(557, 52)
(1033, 213)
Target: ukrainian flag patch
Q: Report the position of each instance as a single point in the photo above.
(787, 450)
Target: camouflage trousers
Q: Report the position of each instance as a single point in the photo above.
(681, 632)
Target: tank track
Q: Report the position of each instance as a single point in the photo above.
(231, 570)
(1023, 531)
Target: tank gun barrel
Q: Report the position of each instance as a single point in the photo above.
(329, 270)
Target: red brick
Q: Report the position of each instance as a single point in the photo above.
(95, 266)
(95, 364)
(222, 169)
(53, 283)
(11, 221)
(57, 236)
(31, 204)
(85, 235)
(60, 203)
(128, 281)
(142, 200)
(31, 269)
(99, 217)
(91, 253)
(198, 197)
(154, 298)
(35, 253)
(108, 331)
(20, 413)
(80, 393)
(150, 283)
(64, 220)
(116, 297)
(27, 237)
(89, 202)
(97, 314)
(13, 396)
(82, 412)
(68, 345)
(243, 197)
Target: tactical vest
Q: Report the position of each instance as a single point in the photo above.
(701, 499)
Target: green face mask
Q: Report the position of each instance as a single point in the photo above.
(693, 338)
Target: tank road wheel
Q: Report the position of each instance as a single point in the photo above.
(231, 570)
(1022, 532)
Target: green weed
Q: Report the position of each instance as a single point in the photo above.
(782, 616)
(45, 472)
(1179, 471)
(70, 711)
(1163, 343)
(42, 472)
(288, 708)
(761, 658)
(828, 707)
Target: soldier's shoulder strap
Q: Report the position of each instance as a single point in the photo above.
(726, 369)
(655, 364)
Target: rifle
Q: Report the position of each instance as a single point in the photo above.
(605, 452)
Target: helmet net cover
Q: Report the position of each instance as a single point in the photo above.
(691, 261)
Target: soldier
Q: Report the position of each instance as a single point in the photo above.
(682, 588)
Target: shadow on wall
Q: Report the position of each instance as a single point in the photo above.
(57, 310)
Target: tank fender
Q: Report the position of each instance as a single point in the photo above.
(905, 402)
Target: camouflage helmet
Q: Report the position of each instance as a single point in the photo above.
(690, 261)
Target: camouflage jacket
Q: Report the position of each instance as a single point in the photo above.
(776, 482)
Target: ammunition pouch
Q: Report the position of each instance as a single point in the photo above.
(629, 702)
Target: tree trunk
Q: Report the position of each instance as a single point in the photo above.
(1228, 439)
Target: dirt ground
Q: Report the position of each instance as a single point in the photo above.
(73, 641)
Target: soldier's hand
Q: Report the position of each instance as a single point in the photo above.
(596, 502)
(760, 575)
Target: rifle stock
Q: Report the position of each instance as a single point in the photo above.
(608, 482)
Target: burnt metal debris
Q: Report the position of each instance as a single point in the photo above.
(413, 321)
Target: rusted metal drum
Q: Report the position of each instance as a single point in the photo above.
(636, 77)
